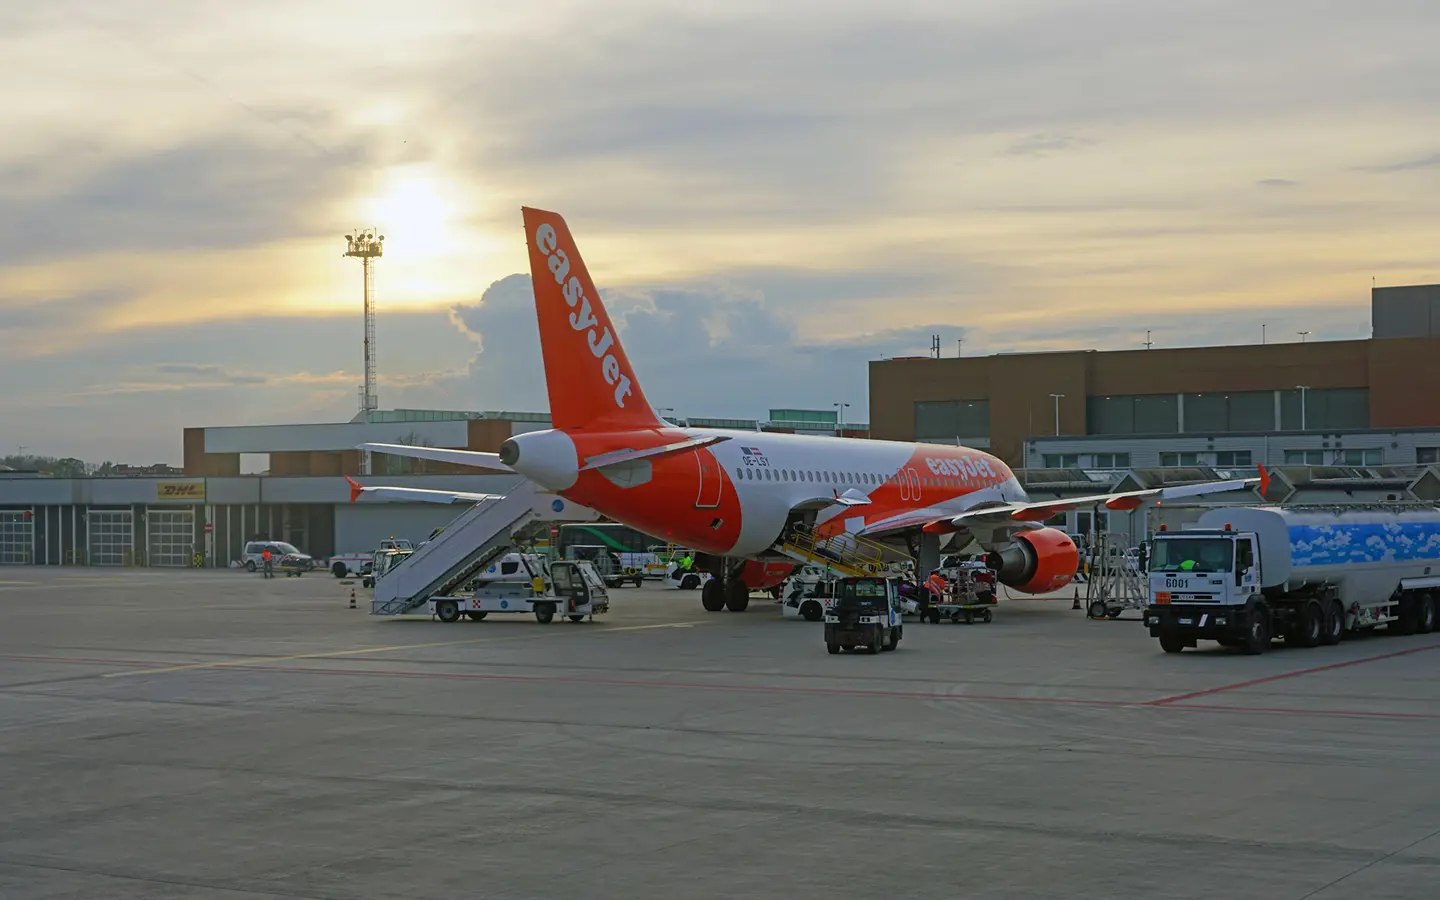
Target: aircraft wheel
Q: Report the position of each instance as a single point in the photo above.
(737, 595)
(712, 595)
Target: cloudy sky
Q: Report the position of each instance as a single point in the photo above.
(769, 193)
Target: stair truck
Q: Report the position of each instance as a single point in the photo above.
(1311, 575)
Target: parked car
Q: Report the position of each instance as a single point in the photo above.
(282, 555)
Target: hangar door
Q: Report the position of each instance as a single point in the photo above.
(169, 537)
(111, 536)
(17, 538)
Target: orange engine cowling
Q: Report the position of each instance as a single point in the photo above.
(1036, 562)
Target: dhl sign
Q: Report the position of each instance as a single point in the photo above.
(180, 490)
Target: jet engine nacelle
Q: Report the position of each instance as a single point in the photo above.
(1036, 562)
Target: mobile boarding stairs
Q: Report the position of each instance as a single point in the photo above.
(465, 547)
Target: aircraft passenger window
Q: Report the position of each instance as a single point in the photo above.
(739, 471)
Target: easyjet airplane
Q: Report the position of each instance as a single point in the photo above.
(733, 496)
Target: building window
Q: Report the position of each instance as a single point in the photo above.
(1062, 460)
(1135, 414)
(1229, 458)
(1304, 457)
(1427, 455)
(1339, 409)
(1174, 460)
(951, 419)
(1224, 413)
(1370, 456)
(1112, 460)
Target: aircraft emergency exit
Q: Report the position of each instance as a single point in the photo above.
(752, 503)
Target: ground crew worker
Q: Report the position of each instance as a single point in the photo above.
(269, 569)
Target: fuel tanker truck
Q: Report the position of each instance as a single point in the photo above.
(1244, 575)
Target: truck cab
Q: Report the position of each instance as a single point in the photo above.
(1204, 567)
(1205, 584)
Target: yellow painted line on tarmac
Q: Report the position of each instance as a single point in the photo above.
(19, 583)
(363, 650)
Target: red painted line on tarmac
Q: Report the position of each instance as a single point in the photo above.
(1281, 711)
(83, 659)
(1164, 701)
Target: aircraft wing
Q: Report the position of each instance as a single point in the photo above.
(458, 457)
(992, 515)
(1038, 511)
(415, 495)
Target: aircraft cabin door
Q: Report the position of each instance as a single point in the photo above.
(710, 480)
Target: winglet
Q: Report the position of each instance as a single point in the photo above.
(355, 489)
(1264, 482)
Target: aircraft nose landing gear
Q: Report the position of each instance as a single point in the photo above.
(726, 589)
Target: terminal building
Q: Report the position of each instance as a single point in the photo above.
(1349, 403)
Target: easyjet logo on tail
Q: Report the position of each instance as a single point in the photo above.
(583, 316)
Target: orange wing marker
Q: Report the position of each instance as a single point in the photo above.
(355, 489)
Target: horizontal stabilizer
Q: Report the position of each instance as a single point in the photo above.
(415, 495)
(616, 457)
(475, 458)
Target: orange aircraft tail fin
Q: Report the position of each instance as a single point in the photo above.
(587, 374)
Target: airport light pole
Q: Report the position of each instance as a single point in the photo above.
(1056, 398)
(1302, 335)
(841, 407)
(1302, 388)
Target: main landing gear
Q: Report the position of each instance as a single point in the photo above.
(725, 591)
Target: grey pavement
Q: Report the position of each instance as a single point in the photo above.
(215, 735)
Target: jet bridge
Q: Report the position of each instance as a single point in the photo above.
(467, 545)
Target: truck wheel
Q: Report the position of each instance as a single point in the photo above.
(339, 570)
(1424, 614)
(812, 611)
(639, 581)
(690, 583)
(1257, 637)
(894, 639)
(875, 642)
(1408, 616)
(477, 616)
(832, 649)
(1096, 610)
(447, 610)
(987, 615)
(577, 618)
(1172, 643)
(544, 613)
(1333, 624)
(1308, 626)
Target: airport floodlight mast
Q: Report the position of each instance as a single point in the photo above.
(841, 407)
(367, 247)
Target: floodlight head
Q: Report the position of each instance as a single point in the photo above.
(349, 237)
